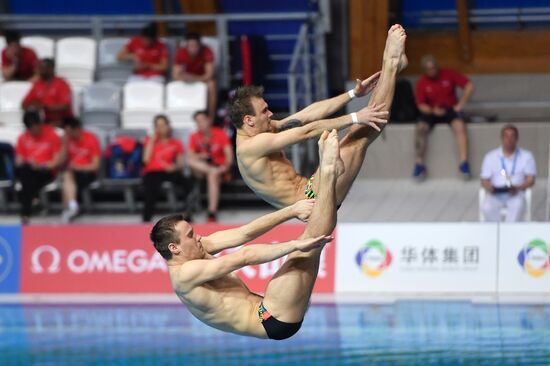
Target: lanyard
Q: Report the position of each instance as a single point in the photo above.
(503, 164)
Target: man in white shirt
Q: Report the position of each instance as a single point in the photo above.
(506, 173)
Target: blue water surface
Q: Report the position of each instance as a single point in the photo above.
(403, 333)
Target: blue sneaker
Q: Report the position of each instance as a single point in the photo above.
(464, 168)
(420, 172)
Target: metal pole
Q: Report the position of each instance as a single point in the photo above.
(221, 28)
(307, 69)
(97, 33)
(321, 62)
(547, 218)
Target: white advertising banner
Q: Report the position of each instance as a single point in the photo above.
(524, 258)
(416, 258)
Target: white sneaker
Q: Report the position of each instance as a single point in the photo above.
(68, 215)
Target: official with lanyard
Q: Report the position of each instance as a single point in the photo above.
(505, 174)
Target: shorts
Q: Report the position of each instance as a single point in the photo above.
(449, 116)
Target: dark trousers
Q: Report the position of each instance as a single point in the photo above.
(32, 180)
(152, 185)
(83, 180)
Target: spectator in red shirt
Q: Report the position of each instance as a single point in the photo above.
(149, 55)
(83, 158)
(195, 62)
(49, 94)
(437, 102)
(18, 62)
(37, 156)
(210, 156)
(163, 159)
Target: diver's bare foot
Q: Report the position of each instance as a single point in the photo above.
(395, 43)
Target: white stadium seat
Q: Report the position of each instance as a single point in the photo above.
(184, 99)
(12, 94)
(76, 59)
(44, 47)
(142, 100)
(109, 68)
(101, 105)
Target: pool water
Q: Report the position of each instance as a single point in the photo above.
(403, 333)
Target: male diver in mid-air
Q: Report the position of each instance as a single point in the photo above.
(261, 140)
(212, 291)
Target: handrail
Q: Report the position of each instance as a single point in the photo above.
(297, 56)
(190, 17)
(481, 16)
(302, 39)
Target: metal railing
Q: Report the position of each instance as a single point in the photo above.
(519, 16)
(307, 81)
(547, 208)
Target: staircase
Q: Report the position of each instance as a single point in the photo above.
(281, 37)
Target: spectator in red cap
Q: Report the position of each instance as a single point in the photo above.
(49, 94)
(18, 62)
(149, 55)
(37, 157)
(210, 157)
(83, 159)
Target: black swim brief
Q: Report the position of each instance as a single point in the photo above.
(274, 328)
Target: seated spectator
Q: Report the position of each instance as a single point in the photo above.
(37, 156)
(210, 156)
(149, 55)
(49, 94)
(506, 173)
(163, 159)
(437, 102)
(18, 62)
(83, 160)
(195, 62)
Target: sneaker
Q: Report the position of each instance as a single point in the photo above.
(69, 215)
(464, 168)
(212, 217)
(420, 172)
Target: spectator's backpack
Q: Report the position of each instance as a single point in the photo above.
(124, 158)
(7, 171)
